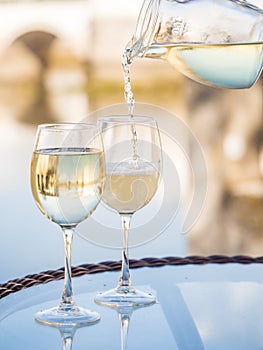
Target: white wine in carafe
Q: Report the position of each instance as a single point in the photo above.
(233, 66)
(214, 42)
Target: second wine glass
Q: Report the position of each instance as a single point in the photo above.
(133, 165)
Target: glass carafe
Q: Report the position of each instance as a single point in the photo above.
(215, 42)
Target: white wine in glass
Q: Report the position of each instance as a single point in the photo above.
(67, 179)
(133, 158)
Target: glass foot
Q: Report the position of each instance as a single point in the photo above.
(58, 317)
(125, 297)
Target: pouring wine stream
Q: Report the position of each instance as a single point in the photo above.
(129, 97)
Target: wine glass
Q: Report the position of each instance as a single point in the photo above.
(67, 179)
(133, 158)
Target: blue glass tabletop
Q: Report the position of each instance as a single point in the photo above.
(207, 307)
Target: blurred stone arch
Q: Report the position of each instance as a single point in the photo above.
(31, 63)
(37, 42)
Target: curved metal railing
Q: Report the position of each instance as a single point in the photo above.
(18, 284)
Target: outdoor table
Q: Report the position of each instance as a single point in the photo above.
(202, 303)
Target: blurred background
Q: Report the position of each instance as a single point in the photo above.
(61, 60)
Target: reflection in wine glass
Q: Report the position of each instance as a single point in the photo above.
(67, 178)
(124, 314)
(67, 332)
(133, 157)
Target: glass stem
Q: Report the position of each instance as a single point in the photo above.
(125, 280)
(67, 302)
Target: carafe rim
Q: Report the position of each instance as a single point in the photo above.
(145, 29)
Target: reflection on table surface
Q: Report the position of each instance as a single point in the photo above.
(199, 307)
